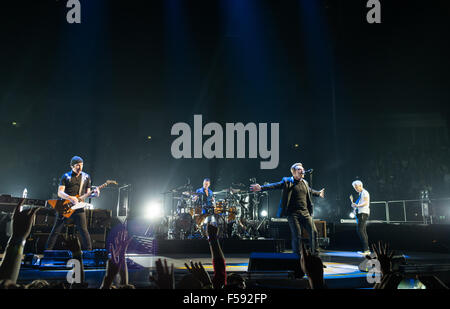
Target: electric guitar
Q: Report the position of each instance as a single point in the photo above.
(67, 208)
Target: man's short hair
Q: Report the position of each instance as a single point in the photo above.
(206, 179)
(295, 165)
(357, 182)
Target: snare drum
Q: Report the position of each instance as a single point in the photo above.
(184, 223)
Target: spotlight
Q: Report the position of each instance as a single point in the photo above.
(263, 213)
(153, 210)
(352, 215)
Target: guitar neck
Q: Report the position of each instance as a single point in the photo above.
(86, 195)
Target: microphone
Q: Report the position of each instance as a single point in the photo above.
(309, 171)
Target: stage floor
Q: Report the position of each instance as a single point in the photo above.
(340, 266)
(341, 270)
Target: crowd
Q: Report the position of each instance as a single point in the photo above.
(116, 272)
(402, 173)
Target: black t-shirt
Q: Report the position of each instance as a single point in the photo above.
(298, 201)
(72, 183)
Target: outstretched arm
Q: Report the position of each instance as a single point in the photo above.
(312, 266)
(270, 186)
(117, 263)
(22, 223)
(320, 193)
(218, 259)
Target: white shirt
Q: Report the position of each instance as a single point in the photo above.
(365, 196)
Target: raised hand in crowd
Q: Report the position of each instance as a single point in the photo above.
(200, 274)
(23, 221)
(165, 278)
(122, 243)
(312, 266)
(117, 262)
(389, 280)
(21, 227)
(384, 256)
(219, 279)
(216, 250)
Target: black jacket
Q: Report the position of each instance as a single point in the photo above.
(286, 184)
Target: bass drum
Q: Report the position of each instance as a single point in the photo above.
(184, 225)
(217, 220)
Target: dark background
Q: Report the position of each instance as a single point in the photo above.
(353, 100)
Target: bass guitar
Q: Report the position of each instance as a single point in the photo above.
(67, 208)
(355, 209)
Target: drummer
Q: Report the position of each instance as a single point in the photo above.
(205, 197)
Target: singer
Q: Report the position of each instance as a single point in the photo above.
(296, 204)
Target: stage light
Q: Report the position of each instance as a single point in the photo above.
(263, 213)
(352, 215)
(153, 210)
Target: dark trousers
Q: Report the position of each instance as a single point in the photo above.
(79, 219)
(296, 222)
(361, 219)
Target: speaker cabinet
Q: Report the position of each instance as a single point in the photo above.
(261, 261)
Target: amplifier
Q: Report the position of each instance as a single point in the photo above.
(37, 241)
(45, 217)
(98, 218)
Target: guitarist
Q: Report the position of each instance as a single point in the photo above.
(362, 211)
(73, 183)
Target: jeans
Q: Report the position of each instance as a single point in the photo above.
(296, 222)
(361, 219)
(80, 221)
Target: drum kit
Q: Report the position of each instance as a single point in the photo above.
(231, 211)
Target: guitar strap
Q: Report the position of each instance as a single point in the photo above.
(357, 202)
(81, 184)
(83, 179)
